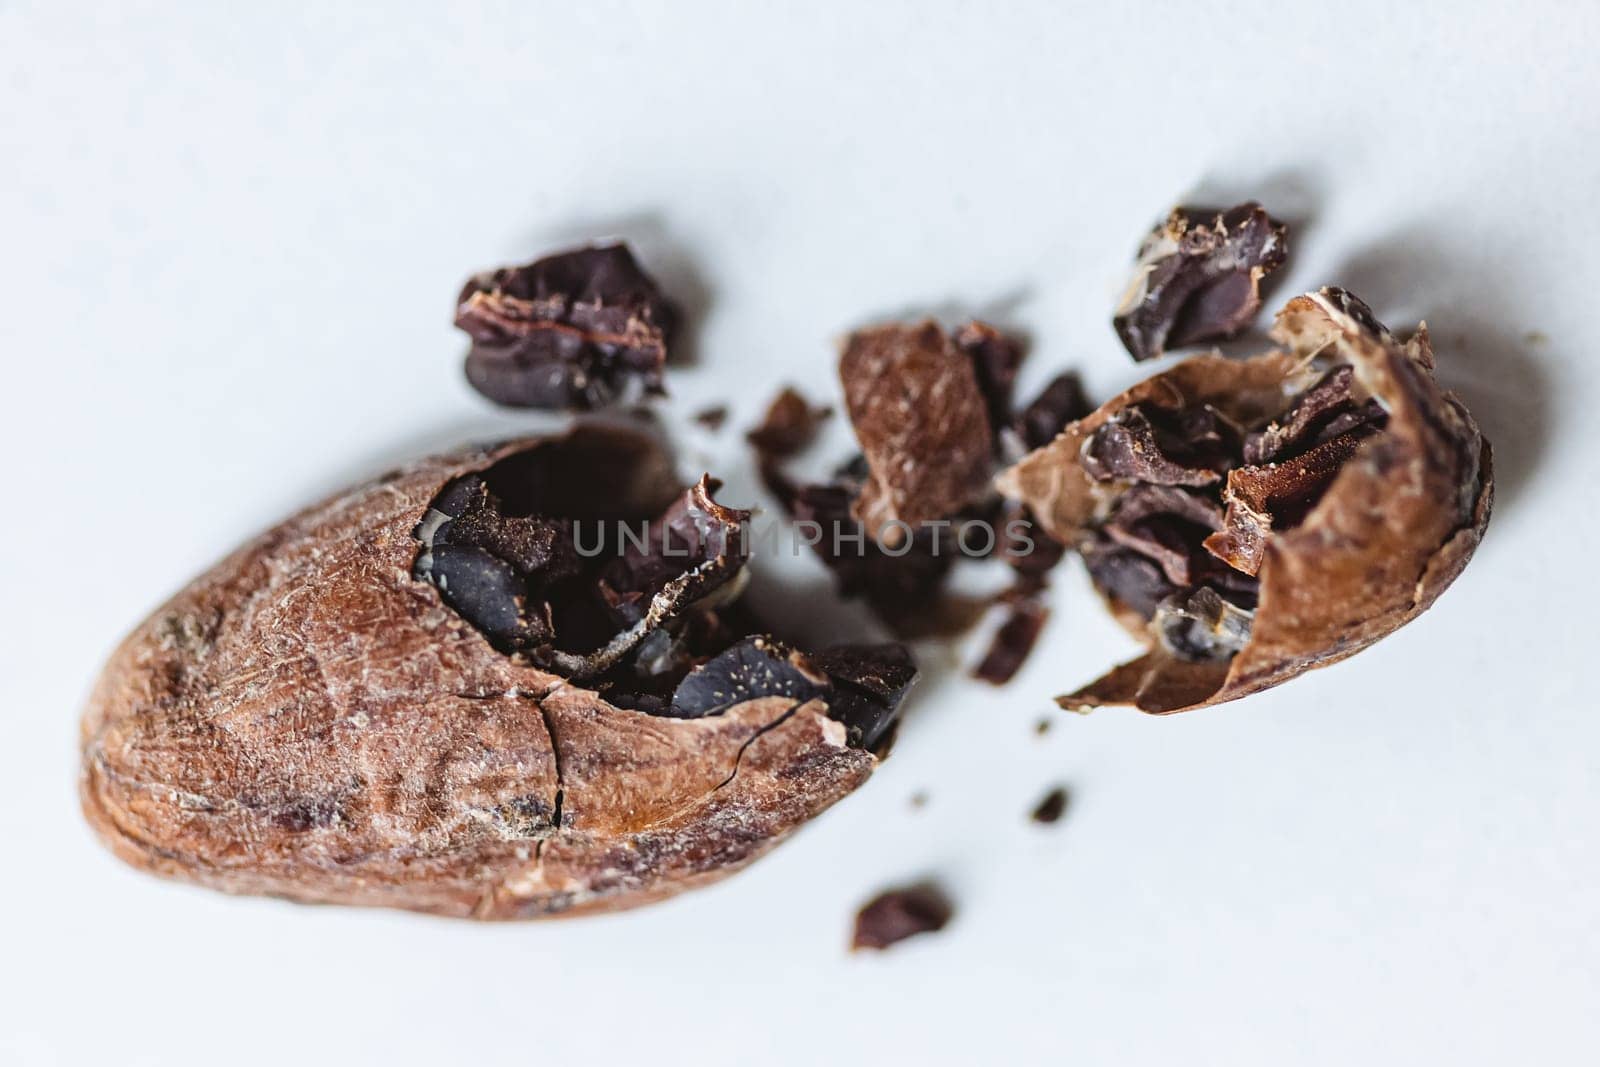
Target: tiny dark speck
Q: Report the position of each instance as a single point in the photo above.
(1052, 807)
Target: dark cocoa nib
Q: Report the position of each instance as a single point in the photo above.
(899, 584)
(1253, 519)
(1051, 807)
(1323, 412)
(568, 332)
(1127, 448)
(1060, 402)
(789, 425)
(753, 668)
(996, 358)
(1198, 278)
(870, 683)
(559, 555)
(1012, 642)
(893, 916)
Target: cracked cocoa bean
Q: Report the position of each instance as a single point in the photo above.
(462, 689)
(1251, 520)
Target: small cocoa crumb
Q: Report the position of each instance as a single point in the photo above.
(1052, 807)
(897, 914)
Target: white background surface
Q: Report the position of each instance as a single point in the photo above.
(231, 238)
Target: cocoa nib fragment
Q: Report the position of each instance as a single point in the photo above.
(1159, 446)
(1058, 403)
(996, 359)
(572, 331)
(1251, 520)
(893, 916)
(1012, 642)
(869, 684)
(1198, 278)
(1051, 807)
(753, 668)
(789, 426)
(901, 583)
(1327, 410)
(914, 401)
(863, 685)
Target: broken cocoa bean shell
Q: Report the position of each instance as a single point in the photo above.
(1198, 278)
(922, 420)
(1355, 497)
(327, 716)
(573, 331)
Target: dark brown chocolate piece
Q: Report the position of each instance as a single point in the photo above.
(1058, 403)
(1051, 807)
(1127, 447)
(1277, 495)
(996, 358)
(914, 402)
(1323, 412)
(901, 584)
(328, 716)
(753, 668)
(789, 426)
(1358, 495)
(1198, 278)
(870, 682)
(893, 916)
(1012, 642)
(568, 332)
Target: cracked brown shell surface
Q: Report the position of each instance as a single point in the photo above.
(1397, 524)
(308, 720)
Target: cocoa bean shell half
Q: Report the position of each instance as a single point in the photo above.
(310, 720)
(1394, 528)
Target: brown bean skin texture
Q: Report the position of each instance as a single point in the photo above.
(307, 720)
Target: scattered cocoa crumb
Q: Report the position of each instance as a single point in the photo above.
(712, 417)
(898, 914)
(1041, 727)
(789, 425)
(919, 800)
(1052, 807)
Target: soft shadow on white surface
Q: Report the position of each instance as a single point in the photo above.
(233, 239)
